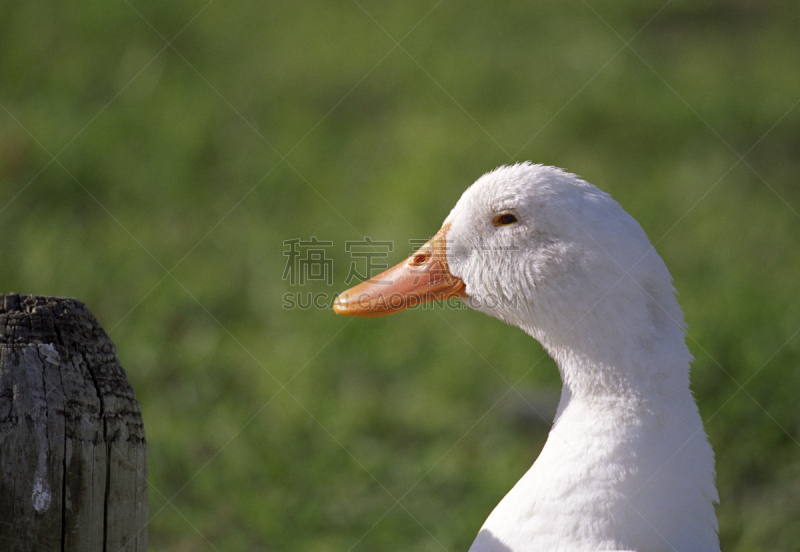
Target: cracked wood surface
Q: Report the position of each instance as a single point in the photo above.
(73, 457)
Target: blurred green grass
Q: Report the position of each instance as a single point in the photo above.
(154, 158)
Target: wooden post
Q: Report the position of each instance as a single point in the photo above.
(73, 458)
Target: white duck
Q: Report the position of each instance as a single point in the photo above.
(627, 464)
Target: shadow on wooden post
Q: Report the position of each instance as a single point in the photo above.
(73, 458)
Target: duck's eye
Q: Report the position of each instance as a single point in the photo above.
(504, 219)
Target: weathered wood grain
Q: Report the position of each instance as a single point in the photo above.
(73, 457)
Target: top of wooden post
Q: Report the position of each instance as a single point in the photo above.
(64, 320)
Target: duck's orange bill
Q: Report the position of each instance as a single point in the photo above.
(424, 276)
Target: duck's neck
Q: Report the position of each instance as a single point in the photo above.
(627, 373)
(627, 464)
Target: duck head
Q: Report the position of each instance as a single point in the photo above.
(543, 250)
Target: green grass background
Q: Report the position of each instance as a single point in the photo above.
(155, 156)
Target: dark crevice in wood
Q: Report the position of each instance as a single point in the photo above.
(64, 494)
(107, 495)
